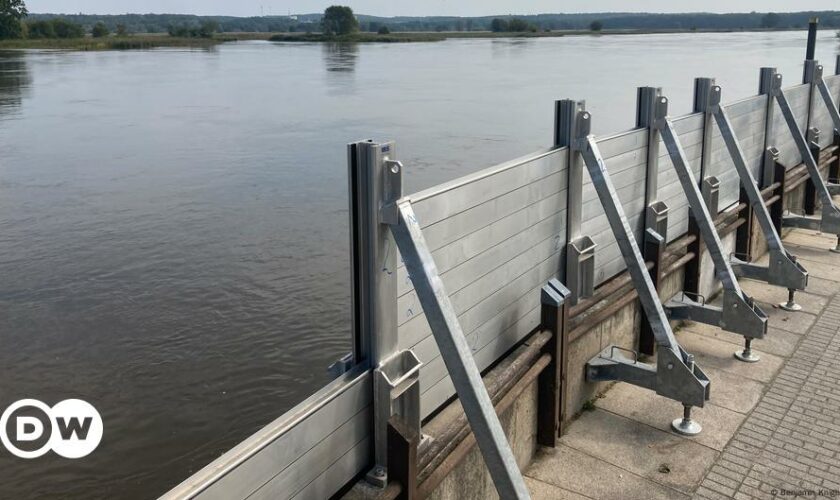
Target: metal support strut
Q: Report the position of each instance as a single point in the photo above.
(674, 375)
(825, 93)
(739, 313)
(829, 220)
(783, 269)
(454, 349)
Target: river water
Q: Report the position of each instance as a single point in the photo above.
(173, 223)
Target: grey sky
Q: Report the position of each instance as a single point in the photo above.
(424, 7)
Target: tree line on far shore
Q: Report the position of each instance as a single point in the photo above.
(17, 23)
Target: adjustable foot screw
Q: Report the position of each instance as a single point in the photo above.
(791, 304)
(836, 249)
(747, 356)
(686, 426)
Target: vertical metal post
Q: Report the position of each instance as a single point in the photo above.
(777, 210)
(834, 172)
(834, 168)
(374, 279)
(551, 403)
(765, 87)
(744, 234)
(702, 87)
(656, 212)
(812, 38)
(373, 254)
(809, 202)
(403, 441)
(580, 256)
(811, 75)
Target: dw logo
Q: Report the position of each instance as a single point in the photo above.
(71, 428)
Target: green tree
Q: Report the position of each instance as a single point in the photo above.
(40, 29)
(498, 25)
(770, 20)
(519, 25)
(99, 30)
(596, 26)
(11, 13)
(339, 20)
(122, 30)
(208, 28)
(67, 29)
(384, 30)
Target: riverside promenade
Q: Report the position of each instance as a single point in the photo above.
(771, 430)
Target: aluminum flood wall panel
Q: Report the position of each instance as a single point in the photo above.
(689, 129)
(820, 117)
(496, 236)
(625, 156)
(798, 98)
(748, 121)
(310, 452)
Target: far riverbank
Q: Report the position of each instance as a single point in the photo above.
(161, 40)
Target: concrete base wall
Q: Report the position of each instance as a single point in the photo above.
(471, 479)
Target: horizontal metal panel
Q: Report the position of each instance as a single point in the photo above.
(446, 200)
(463, 223)
(798, 98)
(498, 316)
(481, 241)
(489, 305)
(748, 125)
(749, 105)
(476, 282)
(820, 117)
(299, 446)
(442, 390)
(670, 190)
(341, 472)
(621, 143)
(312, 471)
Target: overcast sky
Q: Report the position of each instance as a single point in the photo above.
(418, 8)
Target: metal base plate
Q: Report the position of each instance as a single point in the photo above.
(686, 428)
(377, 477)
(750, 357)
(790, 306)
(835, 250)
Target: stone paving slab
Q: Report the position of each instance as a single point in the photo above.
(712, 353)
(780, 342)
(543, 491)
(641, 449)
(594, 478)
(769, 297)
(719, 422)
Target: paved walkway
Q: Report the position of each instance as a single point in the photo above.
(771, 429)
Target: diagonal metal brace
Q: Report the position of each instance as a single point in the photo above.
(825, 93)
(829, 221)
(457, 355)
(675, 375)
(739, 313)
(783, 269)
